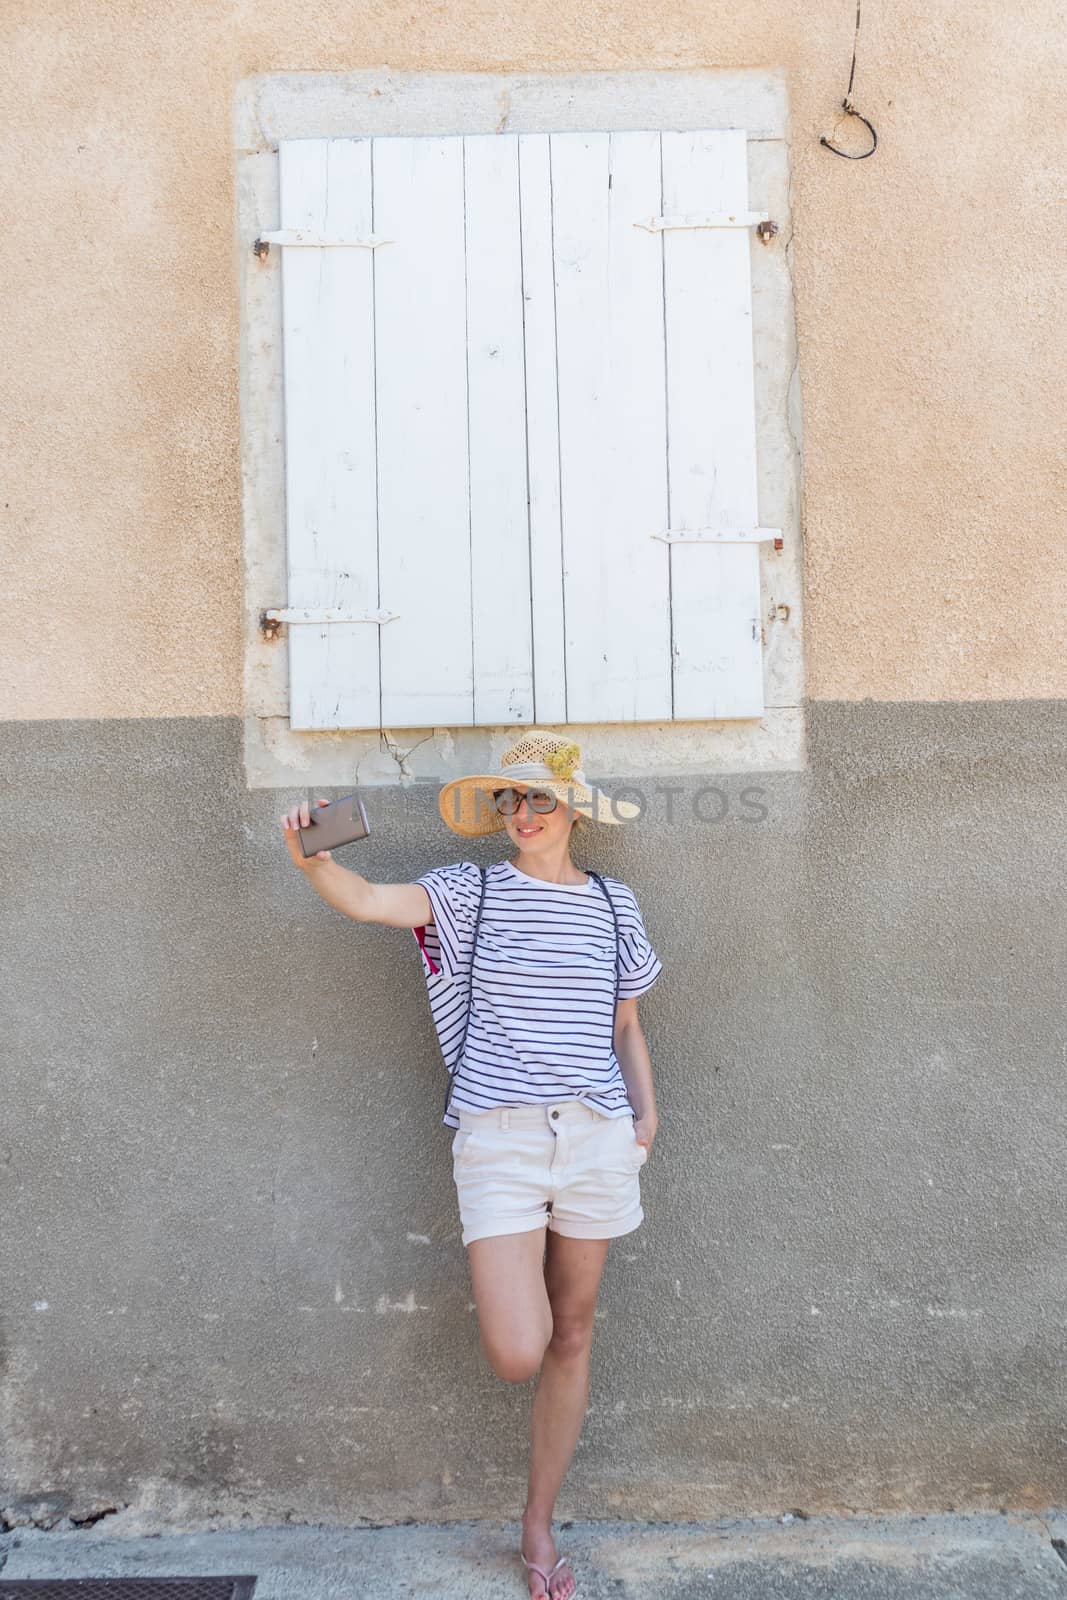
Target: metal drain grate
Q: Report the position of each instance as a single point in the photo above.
(127, 1588)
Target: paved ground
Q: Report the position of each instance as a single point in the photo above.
(1011, 1557)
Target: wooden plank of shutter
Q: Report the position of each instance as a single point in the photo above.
(542, 429)
(499, 524)
(328, 343)
(718, 666)
(421, 366)
(613, 441)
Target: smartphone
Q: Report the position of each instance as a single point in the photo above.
(341, 822)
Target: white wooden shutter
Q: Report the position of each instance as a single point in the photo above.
(520, 422)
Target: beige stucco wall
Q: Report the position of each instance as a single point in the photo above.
(928, 297)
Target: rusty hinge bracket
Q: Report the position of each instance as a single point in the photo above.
(270, 621)
(306, 239)
(721, 536)
(706, 219)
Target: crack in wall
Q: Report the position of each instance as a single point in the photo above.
(12, 1518)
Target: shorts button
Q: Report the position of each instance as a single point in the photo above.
(555, 1113)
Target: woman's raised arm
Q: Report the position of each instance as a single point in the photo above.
(397, 905)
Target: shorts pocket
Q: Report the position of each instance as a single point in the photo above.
(461, 1145)
(640, 1151)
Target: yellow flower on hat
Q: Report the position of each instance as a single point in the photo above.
(563, 761)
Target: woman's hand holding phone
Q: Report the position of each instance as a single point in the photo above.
(339, 822)
(300, 817)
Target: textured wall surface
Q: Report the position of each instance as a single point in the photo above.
(231, 1266)
(233, 1276)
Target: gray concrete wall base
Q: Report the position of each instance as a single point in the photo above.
(232, 1274)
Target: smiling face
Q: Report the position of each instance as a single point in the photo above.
(540, 832)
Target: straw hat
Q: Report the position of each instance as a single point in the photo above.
(538, 760)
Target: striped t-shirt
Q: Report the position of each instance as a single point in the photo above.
(543, 985)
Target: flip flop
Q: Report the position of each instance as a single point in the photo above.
(544, 1576)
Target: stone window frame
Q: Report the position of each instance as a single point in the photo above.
(292, 105)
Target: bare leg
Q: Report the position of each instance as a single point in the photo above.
(573, 1271)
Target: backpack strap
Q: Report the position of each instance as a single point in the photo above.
(452, 1071)
(614, 917)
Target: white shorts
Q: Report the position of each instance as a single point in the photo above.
(562, 1165)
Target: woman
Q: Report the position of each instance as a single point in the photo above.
(533, 981)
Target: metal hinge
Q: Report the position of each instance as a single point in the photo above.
(314, 241)
(707, 219)
(721, 536)
(270, 621)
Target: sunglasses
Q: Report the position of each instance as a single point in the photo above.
(508, 801)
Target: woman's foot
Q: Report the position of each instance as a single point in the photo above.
(538, 1545)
